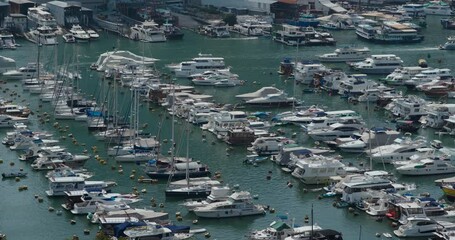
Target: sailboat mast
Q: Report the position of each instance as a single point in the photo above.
(312, 222)
(369, 134)
(188, 155)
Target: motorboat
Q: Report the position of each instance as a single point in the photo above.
(263, 92)
(346, 54)
(304, 72)
(336, 130)
(148, 31)
(378, 64)
(389, 32)
(172, 32)
(26, 72)
(217, 194)
(153, 230)
(449, 45)
(18, 174)
(216, 29)
(128, 215)
(317, 234)
(426, 167)
(200, 64)
(374, 137)
(401, 149)
(422, 227)
(79, 34)
(59, 185)
(7, 121)
(69, 38)
(355, 187)
(217, 80)
(238, 204)
(92, 205)
(92, 34)
(50, 162)
(277, 99)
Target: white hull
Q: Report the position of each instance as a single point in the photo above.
(228, 213)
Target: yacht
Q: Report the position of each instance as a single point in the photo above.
(438, 8)
(426, 167)
(237, 205)
(7, 121)
(290, 35)
(412, 10)
(277, 99)
(92, 205)
(217, 194)
(374, 137)
(216, 29)
(44, 35)
(216, 80)
(304, 72)
(316, 169)
(336, 130)
(401, 149)
(264, 91)
(79, 34)
(357, 85)
(58, 186)
(389, 32)
(40, 17)
(355, 187)
(449, 45)
(279, 229)
(400, 75)
(200, 64)
(346, 54)
(148, 31)
(429, 75)
(437, 114)
(378, 64)
(172, 32)
(151, 230)
(422, 227)
(248, 29)
(409, 108)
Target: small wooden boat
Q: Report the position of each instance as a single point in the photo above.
(14, 174)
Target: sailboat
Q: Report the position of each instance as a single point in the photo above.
(189, 191)
(173, 170)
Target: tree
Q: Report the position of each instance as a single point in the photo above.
(230, 19)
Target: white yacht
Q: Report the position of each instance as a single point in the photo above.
(216, 29)
(217, 194)
(278, 230)
(378, 64)
(438, 8)
(346, 54)
(264, 91)
(238, 204)
(148, 31)
(429, 75)
(410, 108)
(44, 35)
(336, 130)
(449, 45)
(7, 121)
(354, 187)
(40, 17)
(357, 85)
(412, 10)
(153, 230)
(216, 80)
(426, 167)
(79, 34)
(93, 205)
(200, 64)
(374, 137)
(277, 99)
(437, 114)
(304, 72)
(316, 169)
(401, 149)
(422, 227)
(449, 125)
(402, 74)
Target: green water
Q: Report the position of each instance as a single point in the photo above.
(256, 61)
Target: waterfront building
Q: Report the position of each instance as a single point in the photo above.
(69, 13)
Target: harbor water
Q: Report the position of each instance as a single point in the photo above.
(256, 61)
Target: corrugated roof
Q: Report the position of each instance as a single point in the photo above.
(20, 1)
(288, 1)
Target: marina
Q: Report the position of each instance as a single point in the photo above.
(205, 133)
